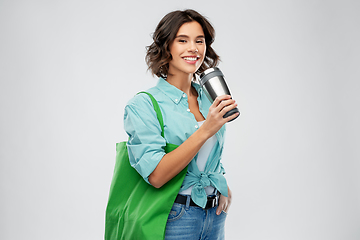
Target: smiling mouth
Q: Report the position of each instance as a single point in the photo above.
(190, 58)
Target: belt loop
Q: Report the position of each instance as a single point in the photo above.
(188, 197)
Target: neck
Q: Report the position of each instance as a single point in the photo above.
(181, 82)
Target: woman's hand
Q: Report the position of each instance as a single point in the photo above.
(224, 203)
(217, 110)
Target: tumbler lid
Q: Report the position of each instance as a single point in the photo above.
(209, 70)
(209, 73)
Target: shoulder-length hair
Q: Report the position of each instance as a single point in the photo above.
(158, 53)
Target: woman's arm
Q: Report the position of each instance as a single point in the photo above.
(175, 161)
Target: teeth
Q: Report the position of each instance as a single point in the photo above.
(190, 58)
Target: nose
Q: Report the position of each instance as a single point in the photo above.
(193, 48)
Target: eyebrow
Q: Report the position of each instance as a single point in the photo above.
(186, 36)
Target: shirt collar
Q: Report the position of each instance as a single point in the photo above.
(175, 94)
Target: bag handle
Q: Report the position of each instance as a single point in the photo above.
(158, 111)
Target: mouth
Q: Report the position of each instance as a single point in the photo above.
(191, 59)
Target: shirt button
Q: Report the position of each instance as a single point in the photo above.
(176, 100)
(188, 110)
(184, 95)
(196, 126)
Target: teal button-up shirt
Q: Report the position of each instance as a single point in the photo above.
(146, 145)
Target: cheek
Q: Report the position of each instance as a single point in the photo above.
(203, 50)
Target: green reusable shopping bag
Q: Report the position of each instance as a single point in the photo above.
(135, 209)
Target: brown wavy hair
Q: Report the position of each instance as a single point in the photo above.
(158, 53)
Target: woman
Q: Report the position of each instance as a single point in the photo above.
(182, 49)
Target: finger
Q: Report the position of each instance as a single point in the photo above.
(221, 98)
(224, 104)
(225, 209)
(231, 117)
(219, 209)
(228, 105)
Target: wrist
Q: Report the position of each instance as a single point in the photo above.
(203, 134)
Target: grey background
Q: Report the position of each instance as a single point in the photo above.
(292, 159)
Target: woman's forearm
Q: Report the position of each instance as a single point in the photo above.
(175, 161)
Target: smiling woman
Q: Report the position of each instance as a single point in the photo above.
(182, 49)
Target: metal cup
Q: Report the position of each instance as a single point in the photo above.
(213, 83)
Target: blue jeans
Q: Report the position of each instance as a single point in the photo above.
(194, 223)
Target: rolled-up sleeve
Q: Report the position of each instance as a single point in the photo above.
(145, 144)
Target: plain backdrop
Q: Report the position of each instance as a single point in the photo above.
(67, 69)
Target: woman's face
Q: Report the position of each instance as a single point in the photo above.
(188, 49)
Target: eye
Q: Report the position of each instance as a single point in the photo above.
(200, 41)
(182, 40)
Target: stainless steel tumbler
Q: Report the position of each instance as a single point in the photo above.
(213, 83)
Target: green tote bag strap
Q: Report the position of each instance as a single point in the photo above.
(169, 147)
(157, 110)
(135, 209)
